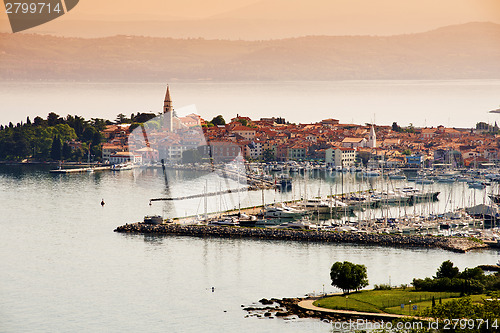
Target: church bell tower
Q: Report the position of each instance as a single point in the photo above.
(168, 110)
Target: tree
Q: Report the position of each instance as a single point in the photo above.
(410, 128)
(38, 121)
(348, 276)
(142, 117)
(66, 151)
(447, 270)
(364, 156)
(21, 147)
(396, 127)
(52, 119)
(243, 121)
(56, 149)
(219, 120)
(268, 155)
(121, 118)
(406, 152)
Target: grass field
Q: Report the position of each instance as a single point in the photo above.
(385, 301)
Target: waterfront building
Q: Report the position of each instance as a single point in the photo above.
(414, 161)
(109, 149)
(254, 150)
(340, 157)
(297, 152)
(222, 151)
(125, 157)
(148, 154)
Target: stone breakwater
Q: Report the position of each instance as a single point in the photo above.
(448, 243)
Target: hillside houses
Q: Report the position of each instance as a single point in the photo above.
(274, 139)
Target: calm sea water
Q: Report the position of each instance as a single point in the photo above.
(455, 103)
(64, 269)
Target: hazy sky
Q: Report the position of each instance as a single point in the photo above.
(264, 19)
(155, 9)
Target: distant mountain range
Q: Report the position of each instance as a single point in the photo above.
(466, 51)
(266, 19)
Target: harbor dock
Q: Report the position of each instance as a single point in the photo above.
(81, 170)
(455, 244)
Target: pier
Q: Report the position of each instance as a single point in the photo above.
(455, 244)
(80, 170)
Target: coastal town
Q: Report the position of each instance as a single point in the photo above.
(274, 150)
(270, 152)
(190, 138)
(329, 141)
(250, 166)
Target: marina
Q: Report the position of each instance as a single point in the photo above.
(394, 209)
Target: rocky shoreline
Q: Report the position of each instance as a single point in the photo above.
(289, 309)
(286, 308)
(455, 244)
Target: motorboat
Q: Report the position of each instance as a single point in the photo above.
(153, 219)
(122, 167)
(224, 221)
(294, 225)
(371, 173)
(283, 211)
(284, 182)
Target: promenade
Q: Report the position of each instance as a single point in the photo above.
(308, 305)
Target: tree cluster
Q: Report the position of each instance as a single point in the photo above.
(449, 278)
(487, 313)
(218, 120)
(48, 139)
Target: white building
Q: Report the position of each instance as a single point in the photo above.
(125, 157)
(340, 157)
(254, 150)
(354, 142)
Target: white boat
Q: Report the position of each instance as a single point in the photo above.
(122, 167)
(424, 181)
(294, 225)
(445, 179)
(397, 176)
(153, 219)
(321, 206)
(224, 221)
(477, 185)
(371, 173)
(283, 211)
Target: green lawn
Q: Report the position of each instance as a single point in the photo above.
(428, 304)
(339, 303)
(388, 301)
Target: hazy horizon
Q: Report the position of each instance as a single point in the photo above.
(263, 19)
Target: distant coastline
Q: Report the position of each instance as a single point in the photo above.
(452, 52)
